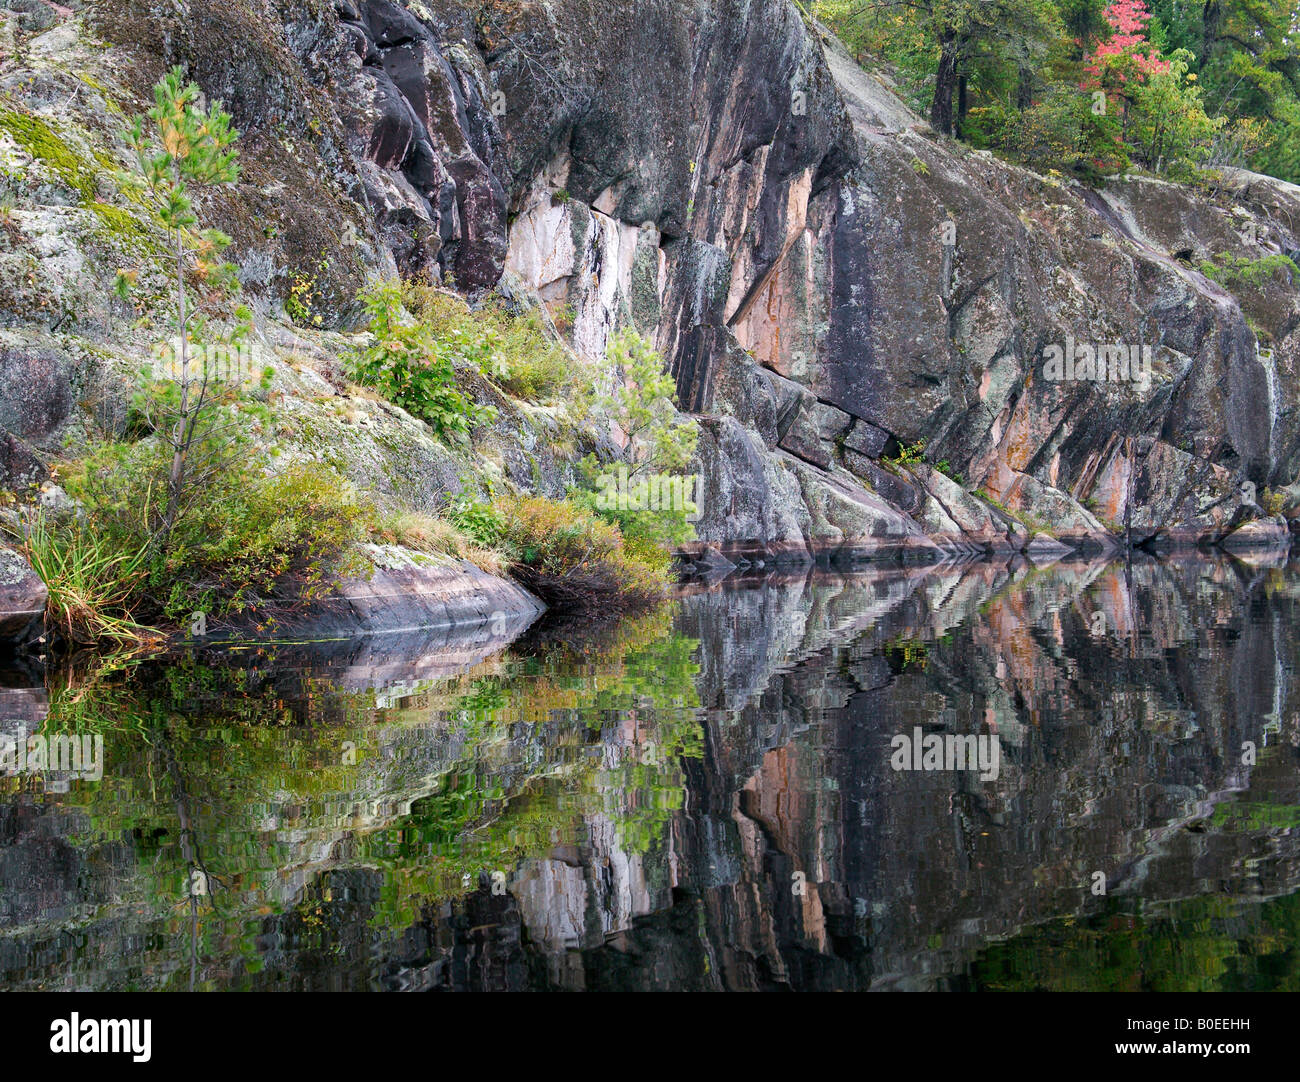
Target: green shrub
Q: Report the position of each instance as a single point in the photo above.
(414, 368)
(573, 559)
(646, 533)
(245, 536)
(1233, 272)
(990, 126)
(304, 300)
(476, 519)
(909, 454)
(1063, 131)
(659, 442)
(1272, 503)
(515, 351)
(946, 468)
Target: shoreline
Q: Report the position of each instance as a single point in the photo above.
(410, 594)
(1256, 538)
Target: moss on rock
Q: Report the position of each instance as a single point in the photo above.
(43, 144)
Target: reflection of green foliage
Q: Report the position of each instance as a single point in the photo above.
(908, 653)
(474, 823)
(487, 697)
(1201, 944)
(1251, 816)
(449, 778)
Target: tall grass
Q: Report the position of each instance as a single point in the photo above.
(92, 583)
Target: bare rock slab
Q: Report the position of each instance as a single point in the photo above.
(22, 599)
(409, 592)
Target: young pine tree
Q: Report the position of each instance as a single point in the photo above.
(182, 143)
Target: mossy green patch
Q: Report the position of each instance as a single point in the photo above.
(123, 232)
(110, 103)
(1252, 815)
(45, 145)
(121, 223)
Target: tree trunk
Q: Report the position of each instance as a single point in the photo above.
(1211, 24)
(176, 476)
(945, 81)
(1024, 88)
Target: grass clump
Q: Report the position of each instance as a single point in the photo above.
(1030, 522)
(437, 537)
(93, 584)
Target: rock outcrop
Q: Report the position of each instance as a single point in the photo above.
(833, 285)
(405, 593)
(22, 598)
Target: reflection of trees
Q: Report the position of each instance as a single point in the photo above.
(242, 770)
(191, 854)
(1203, 944)
(570, 760)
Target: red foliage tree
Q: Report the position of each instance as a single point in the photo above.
(1122, 53)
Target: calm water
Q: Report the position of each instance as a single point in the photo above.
(705, 798)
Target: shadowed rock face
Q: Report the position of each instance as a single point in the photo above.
(425, 125)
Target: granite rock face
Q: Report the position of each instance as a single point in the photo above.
(831, 284)
(407, 593)
(842, 285)
(36, 393)
(424, 126)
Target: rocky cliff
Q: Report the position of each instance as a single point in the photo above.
(831, 282)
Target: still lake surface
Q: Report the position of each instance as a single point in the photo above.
(703, 798)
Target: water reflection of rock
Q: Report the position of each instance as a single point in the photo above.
(1121, 699)
(1115, 734)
